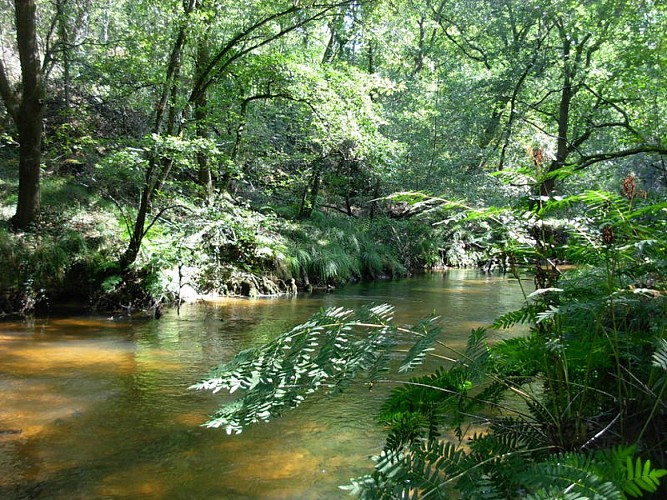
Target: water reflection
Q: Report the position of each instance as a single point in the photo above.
(99, 408)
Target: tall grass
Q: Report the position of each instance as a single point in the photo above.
(329, 250)
(41, 267)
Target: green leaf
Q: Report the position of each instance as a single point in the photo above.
(428, 330)
(327, 352)
(640, 477)
(660, 355)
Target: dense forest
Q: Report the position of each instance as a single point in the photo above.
(152, 151)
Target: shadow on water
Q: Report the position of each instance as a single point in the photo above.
(93, 408)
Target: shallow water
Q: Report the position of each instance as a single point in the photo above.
(94, 407)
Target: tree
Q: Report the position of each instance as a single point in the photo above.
(483, 82)
(590, 106)
(26, 107)
(260, 27)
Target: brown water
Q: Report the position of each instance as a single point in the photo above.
(94, 407)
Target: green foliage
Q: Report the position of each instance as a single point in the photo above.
(44, 267)
(303, 107)
(565, 407)
(333, 250)
(429, 331)
(327, 352)
(660, 355)
(641, 477)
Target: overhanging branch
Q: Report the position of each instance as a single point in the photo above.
(235, 48)
(588, 160)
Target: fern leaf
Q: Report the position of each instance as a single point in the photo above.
(477, 352)
(429, 331)
(550, 313)
(521, 316)
(423, 470)
(641, 477)
(327, 352)
(555, 494)
(571, 472)
(660, 355)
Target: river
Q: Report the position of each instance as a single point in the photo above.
(97, 407)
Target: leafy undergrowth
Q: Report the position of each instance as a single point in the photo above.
(223, 247)
(575, 409)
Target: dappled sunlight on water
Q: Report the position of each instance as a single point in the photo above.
(100, 408)
(82, 358)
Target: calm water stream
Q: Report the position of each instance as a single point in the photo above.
(95, 407)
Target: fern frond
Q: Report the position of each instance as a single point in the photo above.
(327, 352)
(526, 314)
(552, 493)
(476, 353)
(659, 358)
(571, 473)
(483, 488)
(526, 435)
(423, 471)
(593, 200)
(641, 476)
(428, 330)
(518, 359)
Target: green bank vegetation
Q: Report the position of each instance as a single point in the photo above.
(573, 409)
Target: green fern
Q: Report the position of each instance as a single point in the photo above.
(526, 314)
(327, 352)
(422, 472)
(525, 434)
(552, 493)
(641, 476)
(429, 397)
(571, 472)
(428, 332)
(659, 358)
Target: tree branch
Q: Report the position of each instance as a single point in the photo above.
(234, 49)
(465, 46)
(588, 160)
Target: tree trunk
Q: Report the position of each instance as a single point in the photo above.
(166, 119)
(66, 54)
(311, 192)
(562, 144)
(374, 203)
(204, 167)
(29, 117)
(132, 251)
(562, 148)
(201, 114)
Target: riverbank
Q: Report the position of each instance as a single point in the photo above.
(246, 242)
(228, 248)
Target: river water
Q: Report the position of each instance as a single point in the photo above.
(97, 407)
